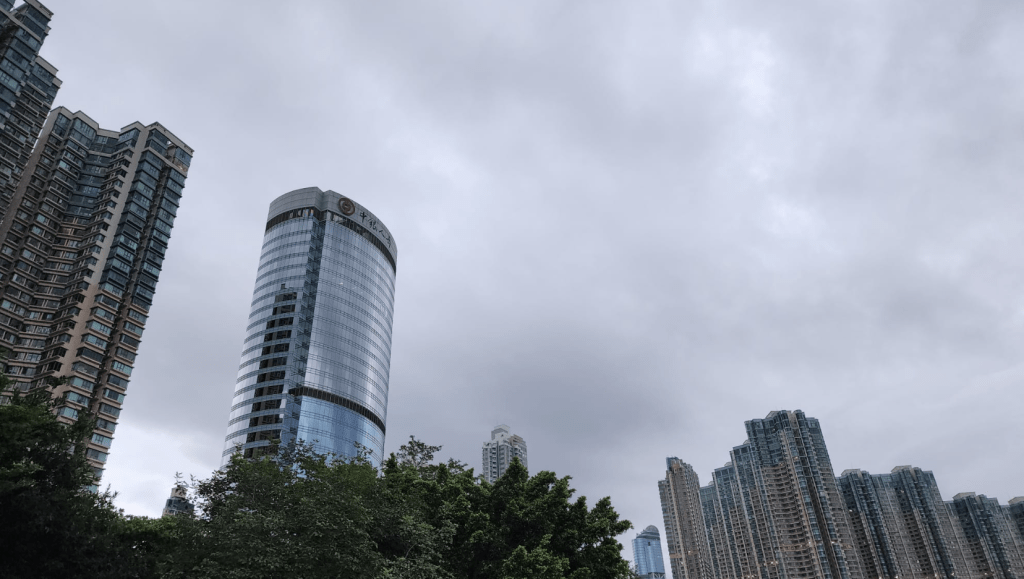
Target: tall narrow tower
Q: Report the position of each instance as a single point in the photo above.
(688, 550)
(81, 249)
(28, 86)
(647, 554)
(317, 351)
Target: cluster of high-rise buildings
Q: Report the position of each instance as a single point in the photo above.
(85, 219)
(777, 511)
(86, 215)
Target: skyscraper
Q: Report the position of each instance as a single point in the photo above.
(83, 243)
(991, 545)
(500, 450)
(900, 525)
(688, 551)
(776, 511)
(28, 86)
(1015, 508)
(178, 502)
(317, 351)
(647, 554)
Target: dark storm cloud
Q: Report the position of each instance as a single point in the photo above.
(625, 228)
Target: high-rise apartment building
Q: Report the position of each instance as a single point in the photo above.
(1015, 510)
(83, 242)
(900, 524)
(85, 218)
(774, 511)
(992, 546)
(647, 554)
(178, 502)
(28, 86)
(688, 551)
(500, 450)
(317, 351)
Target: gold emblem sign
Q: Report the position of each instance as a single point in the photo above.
(346, 205)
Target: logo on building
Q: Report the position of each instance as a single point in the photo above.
(346, 205)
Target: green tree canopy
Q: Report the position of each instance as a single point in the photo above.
(295, 514)
(53, 525)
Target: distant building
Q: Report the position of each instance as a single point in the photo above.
(688, 551)
(647, 554)
(1016, 512)
(774, 511)
(499, 452)
(991, 544)
(900, 524)
(178, 502)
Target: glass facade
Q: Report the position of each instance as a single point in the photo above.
(647, 554)
(317, 352)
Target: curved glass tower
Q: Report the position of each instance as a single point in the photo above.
(647, 554)
(317, 350)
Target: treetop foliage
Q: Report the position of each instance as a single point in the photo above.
(296, 514)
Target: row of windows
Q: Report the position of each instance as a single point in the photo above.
(305, 391)
(335, 219)
(380, 367)
(328, 380)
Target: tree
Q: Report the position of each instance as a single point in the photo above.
(518, 527)
(54, 526)
(298, 514)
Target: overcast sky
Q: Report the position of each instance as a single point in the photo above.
(626, 227)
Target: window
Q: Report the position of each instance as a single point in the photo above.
(108, 409)
(113, 395)
(276, 348)
(85, 368)
(107, 301)
(90, 354)
(91, 339)
(96, 455)
(137, 316)
(273, 362)
(102, 440)
(101, 328)
(105, 424)
(124, 368)
(133, 328)
(82, 383)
